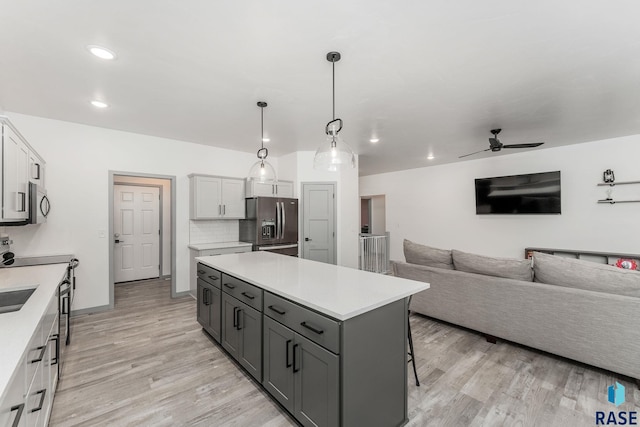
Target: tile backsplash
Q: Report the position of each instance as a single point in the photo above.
(213, 231)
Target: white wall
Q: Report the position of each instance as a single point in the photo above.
(378, 215)
(299, 168)
(165, 186)
(436, 205)
(79, 159)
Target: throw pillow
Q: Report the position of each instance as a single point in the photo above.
(508, 268)
(575, 273)
(416, 253)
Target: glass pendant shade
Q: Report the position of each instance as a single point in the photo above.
(333, 155)
(262, 171)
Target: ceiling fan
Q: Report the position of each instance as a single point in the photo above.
(496, 145)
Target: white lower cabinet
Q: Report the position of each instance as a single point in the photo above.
(12, 407)
(29, 398)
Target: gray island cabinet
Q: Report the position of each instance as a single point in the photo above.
(328, 343)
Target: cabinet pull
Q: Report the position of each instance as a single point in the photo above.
(235, 317)
(214, 278)
(277, 309)
(230, 286)
(296, 368)
(42, 394)
(42, 349)
(239, 317)
(248, 295)
(208, 296)
(56, 338)
(23, 202)
(20, 409)
(37, 165)
(224, 209)
(312, 328)
(201, 271)
(288, 343)
(219, 209)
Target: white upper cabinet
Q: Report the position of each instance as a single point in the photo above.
(269, 189)
(214, 197)
(15, 185)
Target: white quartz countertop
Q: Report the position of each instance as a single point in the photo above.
(338, 292)
(221, 245)
(17, 328)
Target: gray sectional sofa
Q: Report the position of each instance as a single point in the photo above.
(577, 309)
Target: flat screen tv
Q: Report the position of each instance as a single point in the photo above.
(534, 193)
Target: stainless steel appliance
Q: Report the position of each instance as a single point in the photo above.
(39, 205)
(66, 293)
(271, 224)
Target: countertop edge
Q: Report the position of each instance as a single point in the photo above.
(341, 317)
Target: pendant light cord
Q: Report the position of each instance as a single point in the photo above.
(333, 65)
(261, 127)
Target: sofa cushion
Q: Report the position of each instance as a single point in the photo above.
(416, 253)
(509, 268)
(575, 273)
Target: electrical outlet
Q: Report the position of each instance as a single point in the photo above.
(102, 234)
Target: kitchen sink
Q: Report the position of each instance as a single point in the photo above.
(14, 300)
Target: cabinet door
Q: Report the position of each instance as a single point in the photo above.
(278, 362)
(284, 189)
(232, 198)
(16, 180)
(207, 197)
(12, 406)
(250, 348)
(316, 384)
(203, 307)
(230, 336)
(260, 189)
(214, 312)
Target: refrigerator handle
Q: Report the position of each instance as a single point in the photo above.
(284, 220)
(277, 220)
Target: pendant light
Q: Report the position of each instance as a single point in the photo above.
(262, 170)
(334, 153)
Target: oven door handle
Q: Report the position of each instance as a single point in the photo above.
(270, 248)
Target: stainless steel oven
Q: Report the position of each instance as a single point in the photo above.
(66, 292)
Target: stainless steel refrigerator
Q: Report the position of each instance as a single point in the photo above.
(271, 224)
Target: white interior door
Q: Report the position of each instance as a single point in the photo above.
(136, 227)
(318, 222)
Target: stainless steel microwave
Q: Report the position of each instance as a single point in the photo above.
(39, 205)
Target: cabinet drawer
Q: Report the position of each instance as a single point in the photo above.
(243, 291)
(316, 327)
(209, 275)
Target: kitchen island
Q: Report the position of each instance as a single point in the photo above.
(328, 343)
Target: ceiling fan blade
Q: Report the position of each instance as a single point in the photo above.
(471, 154)
(529, 145)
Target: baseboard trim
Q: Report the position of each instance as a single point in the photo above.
(91, 310)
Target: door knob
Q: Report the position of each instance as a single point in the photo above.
(306, 239)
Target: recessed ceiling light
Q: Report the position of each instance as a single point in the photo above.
(430, 157)
(101, 52)
(99, 104)
(265, 140)
(374, 140)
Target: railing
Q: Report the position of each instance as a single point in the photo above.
(374, 253)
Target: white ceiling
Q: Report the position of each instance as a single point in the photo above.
(423, 76)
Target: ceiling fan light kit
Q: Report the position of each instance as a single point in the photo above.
(262, 170)
(334, 153)
(495, 144)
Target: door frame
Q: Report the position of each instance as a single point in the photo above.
(172, 184)
(335, 217)
(160, 221)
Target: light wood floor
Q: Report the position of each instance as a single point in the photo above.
(148, 363)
